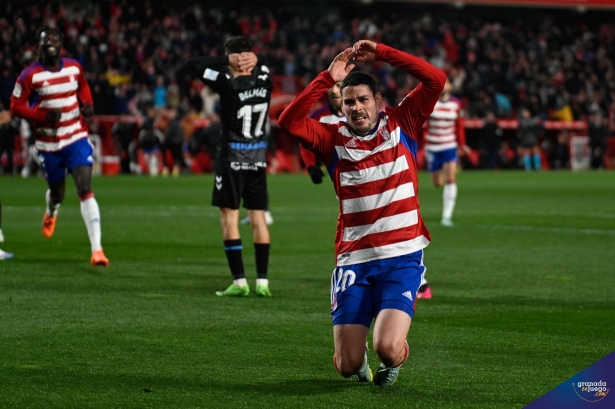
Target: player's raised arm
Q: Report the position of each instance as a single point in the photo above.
(294, 120)
(419, 104)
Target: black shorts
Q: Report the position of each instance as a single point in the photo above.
(235, 181)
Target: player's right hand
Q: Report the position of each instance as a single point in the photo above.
(339, 67)
(53, 115)
(316, 174)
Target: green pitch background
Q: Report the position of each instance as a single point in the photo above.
(524, 298)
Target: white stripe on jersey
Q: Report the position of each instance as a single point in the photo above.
(61, 131)
(382, 225)
(331, 119)
(442, 125)
(357, 177)
(56, 146)
(59, 102)
(58, 88)
(365, 203)
(70, 115)
(376, 253)
(48, 75)
(440, 147)
(356, 155)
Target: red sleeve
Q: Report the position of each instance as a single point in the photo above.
(419, 104)
(461, 131)
(311, 133)
(308, 157)
(83, 93)
(19, 101)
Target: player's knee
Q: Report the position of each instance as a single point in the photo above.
(347, 366)
(389, 351)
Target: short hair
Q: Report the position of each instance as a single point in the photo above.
(47, 29)
(359, 78)
(238, 44)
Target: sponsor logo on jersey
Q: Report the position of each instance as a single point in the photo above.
(248, 146)
(17, 90)
(248, 166)
(252, 93)
(263, 77)
(407, 294)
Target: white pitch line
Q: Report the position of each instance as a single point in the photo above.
(547, 229)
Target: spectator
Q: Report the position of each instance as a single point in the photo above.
(150, 143)
(598, 134)
(123, 132)
(491, 141)
(174, 142)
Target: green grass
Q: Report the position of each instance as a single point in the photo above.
(524, 298)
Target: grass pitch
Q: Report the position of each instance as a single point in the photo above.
(524, 298)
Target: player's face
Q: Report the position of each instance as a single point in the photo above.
(361, 108)
(335, 97)
(49, 44)
(447, 89)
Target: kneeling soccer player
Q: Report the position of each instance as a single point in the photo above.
(381, 236)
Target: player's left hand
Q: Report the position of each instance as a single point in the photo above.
(316, 174)
(465, 150)
(247, 61)
(365, 51)
(87, 110)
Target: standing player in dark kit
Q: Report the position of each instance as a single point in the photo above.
(53, 93)
(244, 86)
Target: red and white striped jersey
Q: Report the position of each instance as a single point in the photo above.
(325, 115)
(445, 127)
(375, 175)
(40, 89)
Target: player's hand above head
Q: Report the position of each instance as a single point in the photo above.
(365, 51)
(339, 67)
(247, 61)
(87, 110)
(316, 174)
(53, 115)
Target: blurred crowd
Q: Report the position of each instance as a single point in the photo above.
(133, 54)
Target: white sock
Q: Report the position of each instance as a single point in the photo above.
(240, 282)
(262, 281)
(1, 236)
(91, 217)
(449, 196)
(423, 281)
(52, 209)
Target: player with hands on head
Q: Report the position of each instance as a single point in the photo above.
(244, 84)
(54, 94)
(371, 159)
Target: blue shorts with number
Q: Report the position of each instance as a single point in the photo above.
(55, 164)
(360, 291)
(435, 160)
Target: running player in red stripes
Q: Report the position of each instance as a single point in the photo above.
(381, 235)
(54, 94)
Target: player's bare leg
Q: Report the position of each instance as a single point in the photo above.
(389, 338)
(437, 178)
(229, 220)
(82, 175)
(350, 357)
(449, 194)
(53, 198)
(258, 222)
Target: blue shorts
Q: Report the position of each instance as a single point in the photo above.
(55, 164)
(359, 292)
(435, 160)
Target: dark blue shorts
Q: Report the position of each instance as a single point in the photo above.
(55, 164)
(435, 160)
(359, 292)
